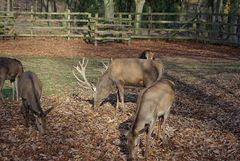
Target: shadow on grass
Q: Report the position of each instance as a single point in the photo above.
(221, 111)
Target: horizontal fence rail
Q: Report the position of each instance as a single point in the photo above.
(36, 24)
(206, 27)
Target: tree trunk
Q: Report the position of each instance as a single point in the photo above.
(139, 9)
(109, 9)
(217, 9)
(233, 20)
(45, 5)
(54, 6)
(238, 26)
(50, 9)
(183, 10)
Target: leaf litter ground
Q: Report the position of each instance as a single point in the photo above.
(204, 123)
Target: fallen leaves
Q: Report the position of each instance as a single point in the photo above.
(204, 123)
(76, 131)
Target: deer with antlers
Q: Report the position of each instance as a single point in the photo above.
(121, 72)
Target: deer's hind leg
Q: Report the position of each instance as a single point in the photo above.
(163, 127)
(13, 90)
(148, 136)
(1, 87)
(160, 121)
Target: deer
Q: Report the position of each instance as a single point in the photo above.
(147, 54)
(121, 72)
(154, 103)
(30, 89)
(10, 69)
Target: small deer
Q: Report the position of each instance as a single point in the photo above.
(147, 54)
(121, 72)
(30, 89)
(10, 69)
(153, 103)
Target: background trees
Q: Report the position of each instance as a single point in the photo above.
(107, 8)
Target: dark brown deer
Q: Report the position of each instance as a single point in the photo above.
(147, 54)
(121, 72)
(153, 103)
(10, 69)
(30, 89)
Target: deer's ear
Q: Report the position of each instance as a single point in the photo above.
(147, 55)
(47, 111)
(35, 116)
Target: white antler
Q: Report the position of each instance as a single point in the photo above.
(105, 65)
(81, 68)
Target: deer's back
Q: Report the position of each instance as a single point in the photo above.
(29, 85)
(133, 71)
(154, 101)
(160, 94)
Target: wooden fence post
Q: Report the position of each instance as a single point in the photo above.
(130, 28)
(69, 24)
(120, 18)
(150, 21)
(130, 20)
(31, 21)
(8, 5)
(238, 29)
(197, 25)
(95, 29)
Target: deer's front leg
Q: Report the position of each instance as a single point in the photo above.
(25, 112)
(120, 87)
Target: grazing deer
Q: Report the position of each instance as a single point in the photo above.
(121, 72)
(153, 103)
(30, 89)
(10, 69)
(147, 54)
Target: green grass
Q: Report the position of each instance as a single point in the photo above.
(56, 73)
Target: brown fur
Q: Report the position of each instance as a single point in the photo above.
(147, 54)
(127, 71)
(153, 103)
(10, 69)
(30, 89)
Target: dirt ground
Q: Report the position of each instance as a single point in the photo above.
(204, 123)
(77, 47)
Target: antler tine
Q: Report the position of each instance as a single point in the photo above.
(80, 82)
(82, 70)
(105, 65)
(82, 64)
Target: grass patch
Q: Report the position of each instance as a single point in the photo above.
(56, 72)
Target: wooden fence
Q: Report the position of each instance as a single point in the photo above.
(43, 24)
(206, 27)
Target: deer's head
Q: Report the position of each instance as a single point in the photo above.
(103, 87)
